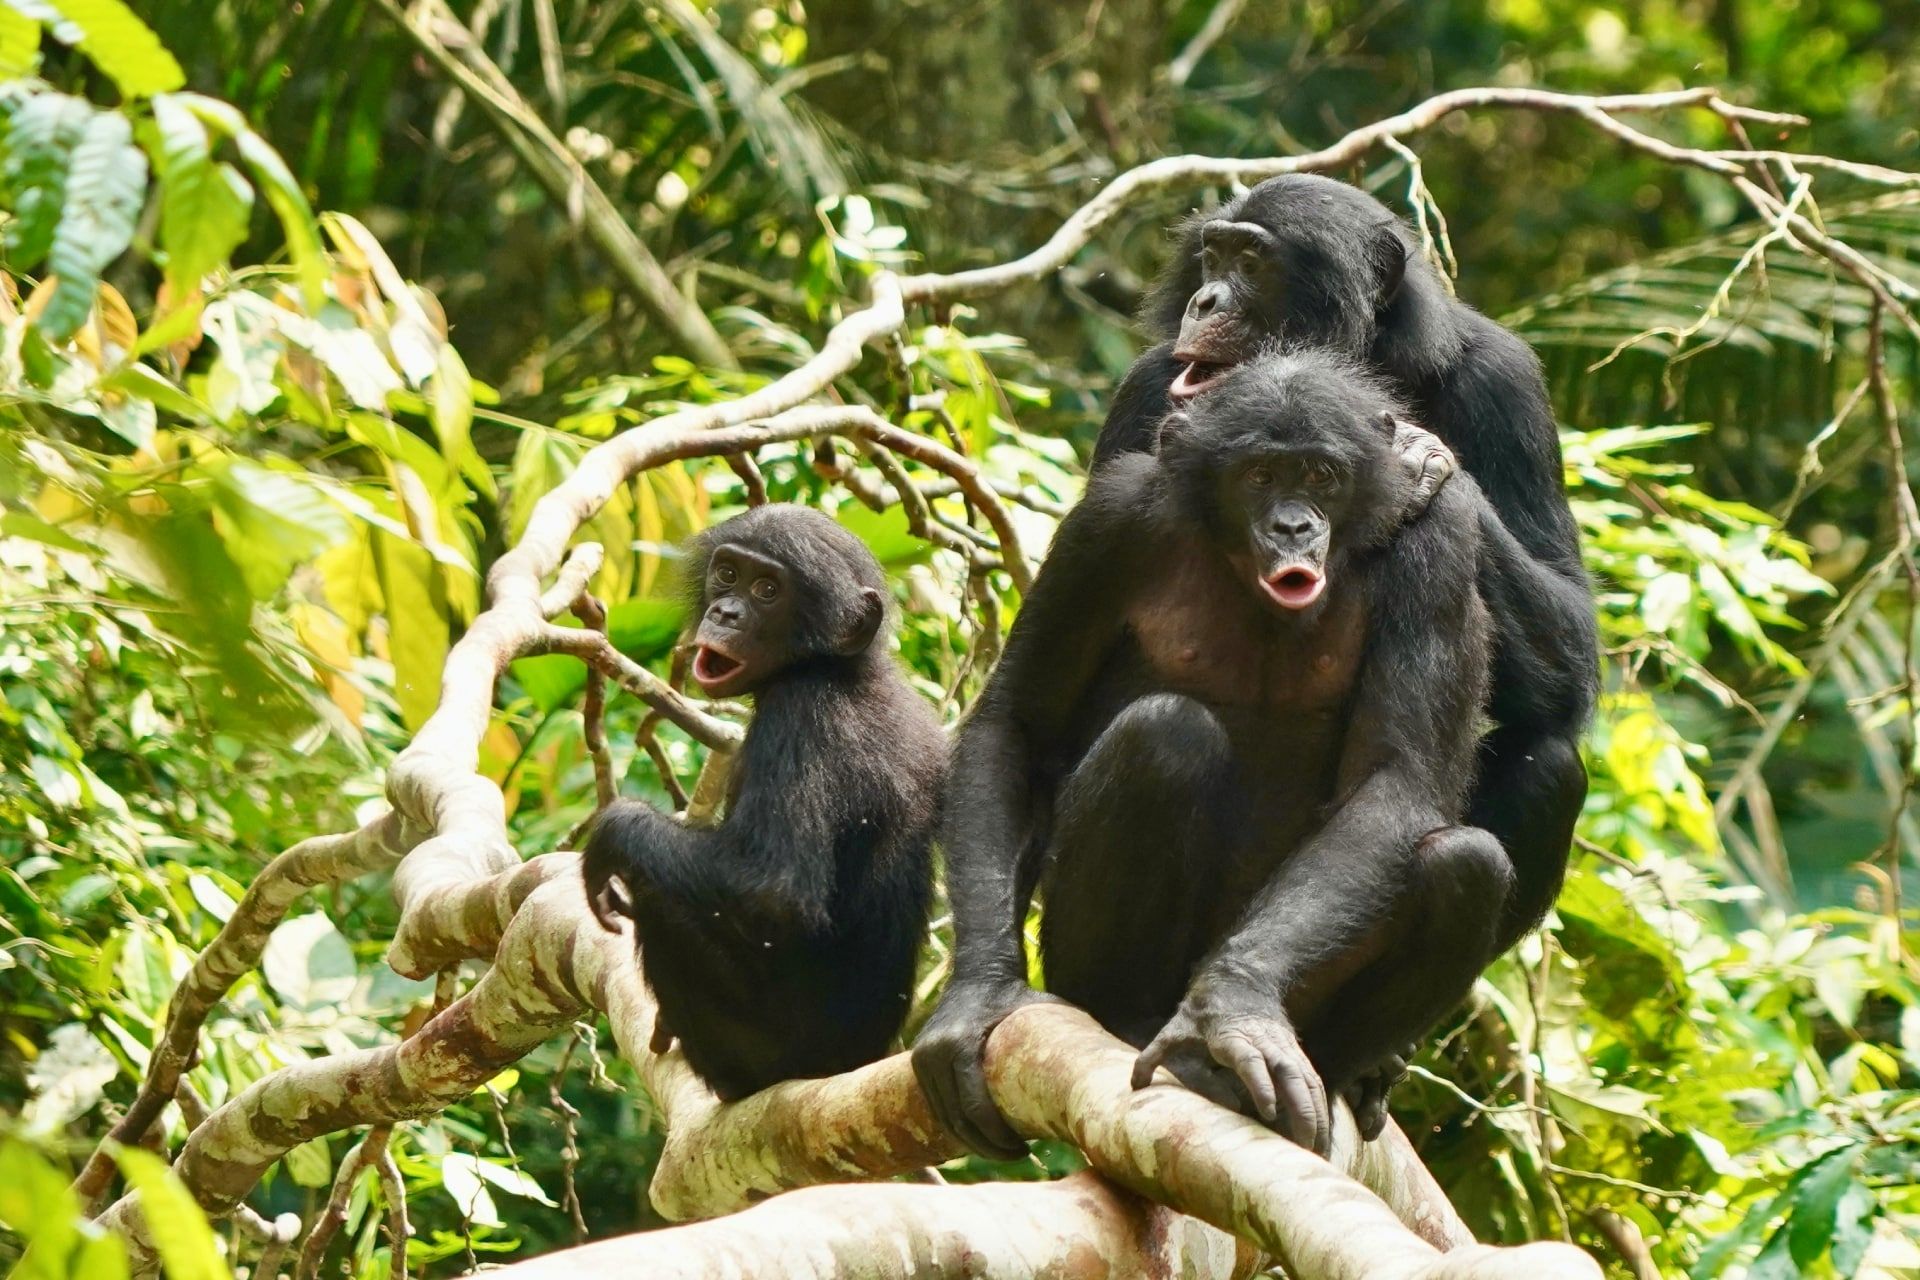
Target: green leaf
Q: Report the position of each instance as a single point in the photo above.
(99, 1257)
(36, 1204)
(19, 44)
(41, 136)
(122, 46)
(309, 964)
(205, 205)
(106, 183)
(271, 521)
(290, 205)
(1810, 1229)
(451, 409)
(417, 634)
(178, 1227)
(18, 524)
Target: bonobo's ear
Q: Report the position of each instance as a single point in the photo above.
(1389, 264)
(1172, 427)
(871, 611)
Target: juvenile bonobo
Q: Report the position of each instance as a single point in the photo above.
(1228, 742)
(1311, 261)
(781, 943)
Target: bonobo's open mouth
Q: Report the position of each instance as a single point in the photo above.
(1294, 587)
(1196, 377)
(711, 667)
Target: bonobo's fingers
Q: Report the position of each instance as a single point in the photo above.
(1369, 1094)
(1192, 1068)
(949, 1061)
(1250, 1063)
(1427, 458)
(661, 1041)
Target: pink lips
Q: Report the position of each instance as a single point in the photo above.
(1294, 587)
(712, 667)
(1194, 378)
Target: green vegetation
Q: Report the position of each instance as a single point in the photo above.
(255, 462)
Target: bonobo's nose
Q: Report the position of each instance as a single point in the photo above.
(728, 611)
(1293, 526)
(1209, 298)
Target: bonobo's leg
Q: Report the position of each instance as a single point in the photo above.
(1529, 793)
(1144, 828)
(1429, 950)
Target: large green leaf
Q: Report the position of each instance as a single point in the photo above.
(41, 136)
(204, 204)
(105, 186)
(281, 188)
(271, 521)
(179, 1229)
(19, 43)
(417, 633)
(122, 46)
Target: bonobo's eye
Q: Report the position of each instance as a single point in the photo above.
(1249, 262)
(725, 574)
(1259, 477)
(1321, 475)
(765, 589)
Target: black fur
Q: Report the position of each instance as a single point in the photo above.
(781, 943)
(1242, 817)
(1350, 277)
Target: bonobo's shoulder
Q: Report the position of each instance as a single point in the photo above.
(1494, 352)
(1446, 536)
(1126, 490)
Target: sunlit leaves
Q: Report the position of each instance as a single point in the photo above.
(19, 43)
(106, 183)
(37, 1206)
(122, 46)
(41, 135)
(179, 1229)
(205, 204)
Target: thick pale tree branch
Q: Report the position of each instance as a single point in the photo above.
(464, 892)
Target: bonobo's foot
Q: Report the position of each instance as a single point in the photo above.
(1426, 458)
(1368, 1095)
(1236, 1048)
(949, 1060)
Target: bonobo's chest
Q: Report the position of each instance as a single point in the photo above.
(1202, 631)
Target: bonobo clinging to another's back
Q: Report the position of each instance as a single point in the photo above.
(1306, 260)
(781, 944)
(1228, 742)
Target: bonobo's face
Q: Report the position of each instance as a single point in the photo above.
(1288, 466)
(1298, 258)
(746, 633)
(1237, 307)
(1286, 502)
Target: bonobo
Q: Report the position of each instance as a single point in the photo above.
(1228, 742)
(781, 944)
(1308, 260)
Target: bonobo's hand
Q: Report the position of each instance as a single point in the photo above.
(1426, 458)
(1235, 1046)
(1368, 1095)
(948, 1058)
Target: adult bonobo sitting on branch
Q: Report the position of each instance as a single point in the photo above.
(781, 944)
(1307, 260)
(1229, 741)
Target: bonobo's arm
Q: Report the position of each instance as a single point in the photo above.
(782, 878)
(1139, 403)
(1495, 410)
(1408, 750)
(1069, 623)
